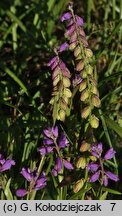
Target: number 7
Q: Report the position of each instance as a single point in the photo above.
(113, 205)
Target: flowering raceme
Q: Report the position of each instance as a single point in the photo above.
(54, 142)
(83, 57)
(98, 168)
(36, 182)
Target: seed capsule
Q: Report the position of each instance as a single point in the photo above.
(61, 115)
(77, 51)
(67, 92)
(94, 121)
(94, 90)
(81, 163)
(84, 95)
(78, 185)
(84, 146)
(85, 112)
(89, 70)
(89, 53)
(66, 82)
(80, 66)
(96, 101)
(82, 85)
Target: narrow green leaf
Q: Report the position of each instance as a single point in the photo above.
(7, 191)
(104, 196)
(111, 191)
(50, 4)
(113, 125)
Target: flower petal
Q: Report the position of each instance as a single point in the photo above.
(7, 165)
(66, 16)
(63, 142)
(26, 173)
(57, 167)
(55, 131)
(105, 180)
(48, 141)
(21, 192)
(67, 164)
(95, 177)
(52, 61)
(112, 176)
(79, 21)
(109, 154)
(63, 47)
(93, 167)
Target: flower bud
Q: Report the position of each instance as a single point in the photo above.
(61, 115)
(96, 101)
(81, 163)
(80, 66)
(66, 82)
(89, 53)
(94, 121)
(82, 85)
(78, 185)
(85, 112)
(84, 95)
(67, 92)
(84, 146)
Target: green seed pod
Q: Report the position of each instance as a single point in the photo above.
(67, 92)
(80, 66)
(66, 82)
(56, 80)
(77, 51)
(85, 112)
(78, 185)
(94, 121)
(84, 95)
(89, 70)
(84, 146)
(89, 53)
(83, 85)
(93, 158)
(81, 163)
(61, 115)
(96, 101)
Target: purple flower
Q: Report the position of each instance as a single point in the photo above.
(57, 167)
(77, 80)
(6, 164)
(79, 21)
(66, 16)
(37, 182)
(112, 176)
(93, 167)
(94, 177)
(21, 192)
(97, 150)
(51, 132)
(67, 164)
(45, 150)
(63, 47)
(52, 61)
(63, 141)
(109, 154)
(70, 30)
(27, 174)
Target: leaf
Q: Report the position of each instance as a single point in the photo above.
(113, 125)
(104, 196)
(7, 191)
(50, 4)
(111, 191)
